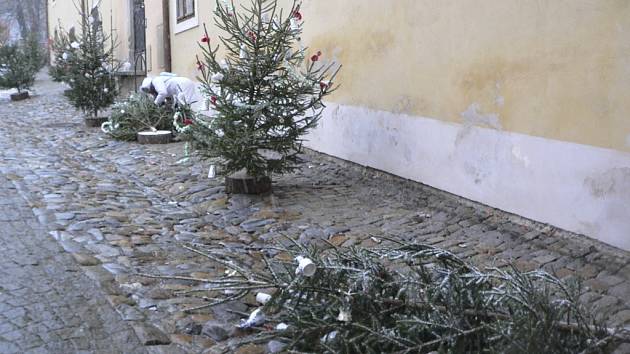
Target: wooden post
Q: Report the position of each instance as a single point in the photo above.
(166, 21)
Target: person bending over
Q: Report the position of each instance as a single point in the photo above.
(180, 89)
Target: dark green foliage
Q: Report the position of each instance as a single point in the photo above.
(91, 68)
(17, 69)
(266, 94)
(403, 298)
(137, 113)
(62, 51)
(36, 53)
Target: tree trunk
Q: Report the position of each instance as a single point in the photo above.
(156, 137)
(95, 122)
(241, 183)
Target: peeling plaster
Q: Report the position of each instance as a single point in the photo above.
(580, 188)
(498, 99)
(612, 183)
(516, 152)
(473, 117)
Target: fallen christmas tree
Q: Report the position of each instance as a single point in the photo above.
(136, 114)
(405, 298)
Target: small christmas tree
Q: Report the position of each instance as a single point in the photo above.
(265, 95)
(36, 53)
(91, 67)
(18, 69)
(62, 51)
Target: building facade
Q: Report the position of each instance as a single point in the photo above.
(520, 105)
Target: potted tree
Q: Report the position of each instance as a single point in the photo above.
(266, 94)
(91, 70)
(17, 69)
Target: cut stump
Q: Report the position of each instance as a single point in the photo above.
(156, 137)
(19, 96)
(240, 183)
(95, 122)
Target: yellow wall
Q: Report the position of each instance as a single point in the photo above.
(114, 13)
(558, 69)
(154, 19)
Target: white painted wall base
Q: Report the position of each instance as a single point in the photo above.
(576, 187)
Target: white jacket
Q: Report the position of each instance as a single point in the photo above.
(181, 89)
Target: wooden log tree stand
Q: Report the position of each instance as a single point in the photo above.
(19, 96)
(242, 183)
(95, 122)
(155, 137)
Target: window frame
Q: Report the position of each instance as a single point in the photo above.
(186, 15)
(179, 25)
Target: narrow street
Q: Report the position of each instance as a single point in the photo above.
(81, 215)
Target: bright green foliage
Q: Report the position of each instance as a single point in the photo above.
(137, 113)
(91, 68)
(17, 69)
(265, 93)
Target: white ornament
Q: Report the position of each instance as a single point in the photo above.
(91, 20)
(329, 337)
(224, 64)
(344, 316)
(294, 24)
(106, 90)
(255, 319)
(282, 327)
(217, 77)
(243, 54)
(212, 172)
(263, 298)
(305, 267)
(75, 45)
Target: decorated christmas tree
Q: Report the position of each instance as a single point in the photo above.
(62, 51)
(266, 92)
(91, 67)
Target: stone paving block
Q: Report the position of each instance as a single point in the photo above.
(150, 335)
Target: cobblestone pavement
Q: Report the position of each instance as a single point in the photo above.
(47, 304)
(122, 208)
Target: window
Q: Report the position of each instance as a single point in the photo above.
(185, 10)
(184, 15)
